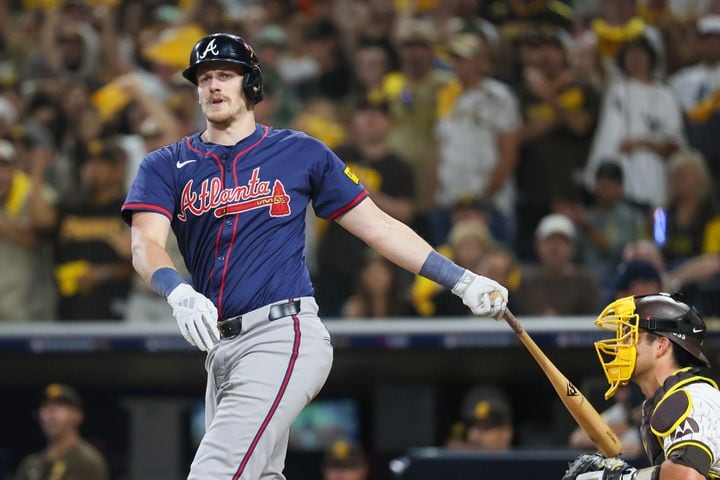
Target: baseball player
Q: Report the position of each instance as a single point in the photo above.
(235, 196)
(658, 345)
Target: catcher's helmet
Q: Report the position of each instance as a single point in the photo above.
(664, 315)
(660, 314)
(225, 47)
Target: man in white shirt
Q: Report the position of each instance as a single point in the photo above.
(477, 133)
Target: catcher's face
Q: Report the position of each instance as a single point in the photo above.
(220, 92)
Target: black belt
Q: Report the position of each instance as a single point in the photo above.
(232, 327)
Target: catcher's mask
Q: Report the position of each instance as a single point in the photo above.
(660, 314)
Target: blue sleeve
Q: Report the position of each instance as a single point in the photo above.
(153, 189)
(336, 189)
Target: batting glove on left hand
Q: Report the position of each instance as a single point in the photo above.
(484, 296)
(196, 316)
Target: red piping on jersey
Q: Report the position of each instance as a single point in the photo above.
(350, 205)
(147, 206)
(278, 398)
(232, 238)
(222, 179)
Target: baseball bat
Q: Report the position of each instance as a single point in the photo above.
(579, 407)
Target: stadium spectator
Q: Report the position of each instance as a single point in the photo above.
(389, 181)
(92, 244)
(640, 126)
(697, 88)
(609, 223)
(380, 291)
(556, 286)
(559, 118)
(412, 95)
(22, 258)
(692, 221)
(345, 460)
(486, 422)
(637, 278)
(67, 456)
(477, 135)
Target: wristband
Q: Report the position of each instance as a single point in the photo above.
(441, 270)
(164, 280)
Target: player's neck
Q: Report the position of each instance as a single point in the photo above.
(58, 447)
(229, 134)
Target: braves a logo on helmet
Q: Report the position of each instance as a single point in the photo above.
(229, 201)
(209, 48)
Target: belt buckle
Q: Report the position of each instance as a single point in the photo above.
(230, 328)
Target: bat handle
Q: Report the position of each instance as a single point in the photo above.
(513, 322)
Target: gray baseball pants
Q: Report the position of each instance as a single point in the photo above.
(258, 383)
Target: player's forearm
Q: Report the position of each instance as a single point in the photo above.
(400, 244)
(148, 256)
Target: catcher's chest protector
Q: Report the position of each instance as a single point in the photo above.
(661, 419)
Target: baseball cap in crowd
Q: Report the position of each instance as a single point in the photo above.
(7, 152)
(344, 454)
(636, 270)
(465, 45)
(555, 223)
(491, 413)
(709, 25)
(416, 32)
(105, 150)
(61, 394)
(610, 170)
(270, 35)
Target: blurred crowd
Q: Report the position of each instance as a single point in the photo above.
(567, 149)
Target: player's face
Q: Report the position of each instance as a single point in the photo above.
(645, 356)
(220, 92)
(495, 438)
(57, 419)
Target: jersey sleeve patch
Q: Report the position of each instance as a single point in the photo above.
(351, 175)
(335, 188)
(670, 413)
(692, 454)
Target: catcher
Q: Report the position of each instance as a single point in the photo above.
(657, 345)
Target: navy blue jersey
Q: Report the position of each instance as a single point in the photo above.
(239, 211)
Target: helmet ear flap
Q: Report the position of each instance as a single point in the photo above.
(252, 84)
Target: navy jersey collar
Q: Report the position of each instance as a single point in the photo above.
(245, 142)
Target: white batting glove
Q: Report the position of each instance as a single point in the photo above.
(485, 297)
(196, 316)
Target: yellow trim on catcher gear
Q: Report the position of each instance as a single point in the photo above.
(689, 380)
(674, 388)
(617, 355)
(680, 419)
(700, 445)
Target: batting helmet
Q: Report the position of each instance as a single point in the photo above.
(225, 47)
